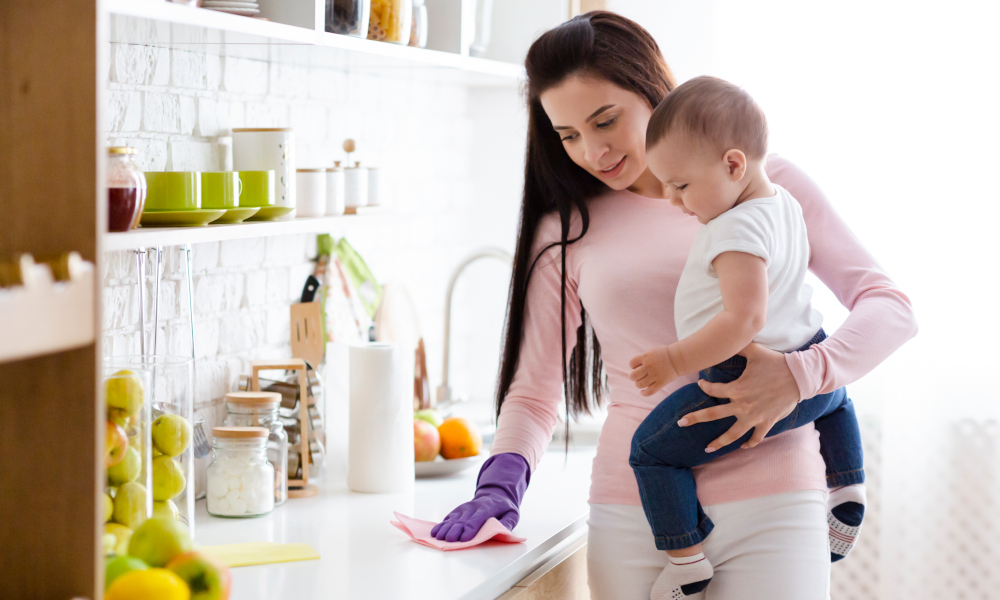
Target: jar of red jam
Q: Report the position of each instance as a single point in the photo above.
(126, 189)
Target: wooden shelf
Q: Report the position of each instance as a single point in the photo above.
(50, 318)
(226, 32)
(152, 237)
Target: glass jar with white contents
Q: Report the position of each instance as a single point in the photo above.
(260, 409)
(240, 478)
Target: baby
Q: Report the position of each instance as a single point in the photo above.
(744, 281)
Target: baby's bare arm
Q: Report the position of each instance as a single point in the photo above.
(743, 282)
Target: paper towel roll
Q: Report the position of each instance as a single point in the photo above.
(380, 446)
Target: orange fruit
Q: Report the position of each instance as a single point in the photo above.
(459, 438)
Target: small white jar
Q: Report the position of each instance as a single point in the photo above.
(311, 189)
(240, 479)
(335, 190)
(356, 186)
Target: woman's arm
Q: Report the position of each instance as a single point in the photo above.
(530, 411)
(881, 318)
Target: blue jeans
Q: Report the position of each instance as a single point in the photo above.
(663, 452)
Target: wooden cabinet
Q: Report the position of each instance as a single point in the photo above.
(51, 166)
(564, 577)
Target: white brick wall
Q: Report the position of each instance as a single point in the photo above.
(451, 162)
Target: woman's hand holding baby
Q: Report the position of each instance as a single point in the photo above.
(652, 370)
(762, 396)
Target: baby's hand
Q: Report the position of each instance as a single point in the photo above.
(652, 370)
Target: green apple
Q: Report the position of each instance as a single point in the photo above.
(108, 506)
(430, 415)
(122, 536)
(127, 470)
(168, 478)
(165, 508)
(171, 434)
(207, 579)
(118, 566)
(130, 504)
(124, 390)
(158, 540)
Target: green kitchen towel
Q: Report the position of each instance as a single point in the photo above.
(360, 277)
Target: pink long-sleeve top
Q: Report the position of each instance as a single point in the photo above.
(624, 272)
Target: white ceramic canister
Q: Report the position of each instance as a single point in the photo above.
(355, 186)
(335, 190)
(311, 191)
(374, 186)
(268, 149)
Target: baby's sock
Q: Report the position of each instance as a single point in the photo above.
(682, 577)
(847, 509)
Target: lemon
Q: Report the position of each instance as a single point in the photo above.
(151, 584)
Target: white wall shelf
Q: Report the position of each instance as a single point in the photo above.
(225, 32)
(152, 237)
(51, 317)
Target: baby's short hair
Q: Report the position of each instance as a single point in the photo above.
(712, 108)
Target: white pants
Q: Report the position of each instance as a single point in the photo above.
(769, 548)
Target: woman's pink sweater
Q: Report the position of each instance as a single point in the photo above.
(624, 272)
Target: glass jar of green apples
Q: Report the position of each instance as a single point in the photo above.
(169, 463)
(126, 501)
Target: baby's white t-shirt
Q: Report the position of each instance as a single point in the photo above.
(773, 229)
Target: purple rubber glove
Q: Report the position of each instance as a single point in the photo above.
(499, 489)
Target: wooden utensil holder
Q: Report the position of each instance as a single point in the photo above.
(297, 488)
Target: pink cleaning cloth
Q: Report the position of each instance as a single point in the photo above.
(420, 532)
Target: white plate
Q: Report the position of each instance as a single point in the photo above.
(228, 4)
(440, 467)
(246, 12)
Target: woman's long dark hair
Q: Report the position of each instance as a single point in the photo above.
(598, 44)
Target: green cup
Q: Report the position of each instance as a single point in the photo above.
(220, 189)
(172, 190)
(258, 188)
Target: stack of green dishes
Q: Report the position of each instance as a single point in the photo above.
(173, 199)
(224, 190)
(258, 190)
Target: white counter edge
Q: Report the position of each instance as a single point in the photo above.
(530, 562)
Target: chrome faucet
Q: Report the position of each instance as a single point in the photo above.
(444, 398)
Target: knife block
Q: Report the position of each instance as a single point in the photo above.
(297, 488)
(307, 332)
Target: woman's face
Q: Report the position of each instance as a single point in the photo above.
(602, 127)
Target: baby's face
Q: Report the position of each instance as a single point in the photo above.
(697, 181)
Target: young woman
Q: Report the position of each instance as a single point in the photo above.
(599, 254)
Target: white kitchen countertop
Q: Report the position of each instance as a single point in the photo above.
(366, 558)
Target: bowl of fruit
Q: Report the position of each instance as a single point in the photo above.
(444, 446)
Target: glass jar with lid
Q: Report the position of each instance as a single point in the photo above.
(240, 478)
(390, 21)
(260, 409)
(348, 17)
(126, 189)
